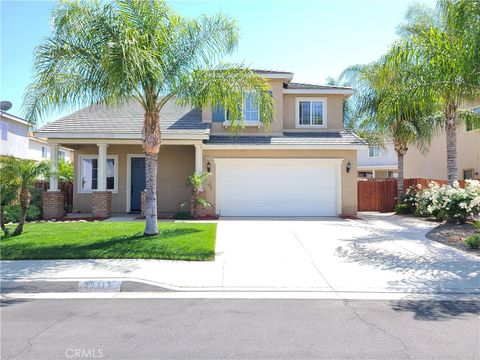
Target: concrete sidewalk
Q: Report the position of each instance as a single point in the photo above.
(380, 253)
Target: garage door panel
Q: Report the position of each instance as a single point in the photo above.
(277, 188)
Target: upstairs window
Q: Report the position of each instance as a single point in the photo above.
(250, 111)
(374, 151)
(311, 112)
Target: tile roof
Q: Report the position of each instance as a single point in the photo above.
(127, 121)
(323, 138)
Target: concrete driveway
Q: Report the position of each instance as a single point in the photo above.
(379, 253)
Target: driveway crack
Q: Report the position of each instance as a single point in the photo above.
(312, 260)
(32, 338)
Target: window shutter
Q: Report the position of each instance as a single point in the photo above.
(218, 114)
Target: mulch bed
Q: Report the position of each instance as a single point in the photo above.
(454, 235)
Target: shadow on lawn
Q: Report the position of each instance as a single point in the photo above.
(130, 247)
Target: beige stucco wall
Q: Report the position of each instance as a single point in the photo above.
(174, 165)
(349, 181)
(433, 164)
(276, 126)
(285, 112)
(334, 111)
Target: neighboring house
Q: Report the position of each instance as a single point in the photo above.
(433, 164)
(14, 137)
(39, 149)
(305, 165)
(378, 161)
(17, 141)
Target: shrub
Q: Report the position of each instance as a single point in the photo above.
(183, 215)
(473, 241)
(451, 202)
(13, 212)
(402, 209)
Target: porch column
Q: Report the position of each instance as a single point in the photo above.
(53, 199)
(373, 172)
(54, 167)
(102, 167)
(198, 159)
(102, 198)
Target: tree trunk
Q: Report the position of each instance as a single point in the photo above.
(401, 150)
(2, 221)
(451, 138)
(151, 139)
(24, 203)
(151, 226)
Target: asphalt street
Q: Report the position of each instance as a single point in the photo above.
(239, 329)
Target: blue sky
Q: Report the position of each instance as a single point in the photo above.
(312, 39)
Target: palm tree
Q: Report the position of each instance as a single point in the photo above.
(24, 173)
(111, 52)
(445, 43)
(389, 106)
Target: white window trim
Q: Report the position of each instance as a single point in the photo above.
(79, 177)
(226, 123)
(379, 152)
(44, 149)
(297, 112)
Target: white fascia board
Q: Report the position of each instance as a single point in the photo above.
(283, 147)
(66, 135)
(286, 76)
(377, 167)
(15, 118)
(320, 91)
(325, 160)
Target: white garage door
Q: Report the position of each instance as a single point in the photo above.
(278, 187)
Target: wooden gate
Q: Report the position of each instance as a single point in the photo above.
(377, 194)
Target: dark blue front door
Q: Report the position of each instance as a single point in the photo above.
(137, 184)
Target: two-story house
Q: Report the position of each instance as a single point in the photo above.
(18, 141)
(378, 161)
(432, 164)
(304, 165)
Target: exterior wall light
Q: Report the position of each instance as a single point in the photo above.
(209, 166)
(349, 166)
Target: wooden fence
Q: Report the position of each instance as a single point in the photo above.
(375, 194)
(65, 187)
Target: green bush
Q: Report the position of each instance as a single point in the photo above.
(182, 215)
(12, 213)
(473, 241)
(36, 196)
(402, 209)
(477, 224)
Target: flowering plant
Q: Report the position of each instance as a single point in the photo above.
(456, 203)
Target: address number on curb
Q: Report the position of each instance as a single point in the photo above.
(100, 285)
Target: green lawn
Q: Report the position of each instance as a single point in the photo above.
(110, 240)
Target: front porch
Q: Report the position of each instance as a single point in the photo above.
(109, 179)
